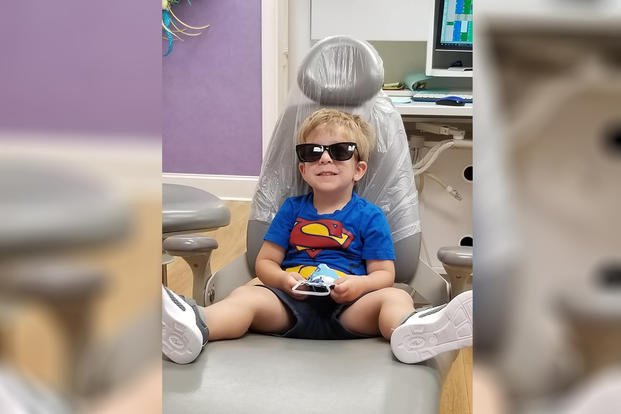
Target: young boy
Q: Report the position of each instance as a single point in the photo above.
(331, 225)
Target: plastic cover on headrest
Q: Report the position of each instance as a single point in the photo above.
(359, 74)
(343, 73)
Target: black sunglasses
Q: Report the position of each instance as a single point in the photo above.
(341, 151)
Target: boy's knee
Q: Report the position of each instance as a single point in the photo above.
(253, 296)
(394, 294)
(244, 290)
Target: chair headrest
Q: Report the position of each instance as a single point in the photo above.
(341, 70)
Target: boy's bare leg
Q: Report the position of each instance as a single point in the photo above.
(376, 312)
(247, 307)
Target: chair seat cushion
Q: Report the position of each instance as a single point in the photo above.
(264, 374)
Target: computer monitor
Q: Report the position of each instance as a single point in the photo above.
(453, 29)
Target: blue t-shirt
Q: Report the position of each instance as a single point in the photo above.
(343, 240)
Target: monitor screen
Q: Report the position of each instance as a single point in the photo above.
(453, 25)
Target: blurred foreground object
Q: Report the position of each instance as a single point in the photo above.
(548, 246)
(48, 213)
(64, 238)
(20, 396)
(80, 192)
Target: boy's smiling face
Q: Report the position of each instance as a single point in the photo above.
(327, 176)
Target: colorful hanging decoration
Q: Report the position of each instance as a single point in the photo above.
(170, 30)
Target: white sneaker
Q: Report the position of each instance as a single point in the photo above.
(431, 332)
(184, 332)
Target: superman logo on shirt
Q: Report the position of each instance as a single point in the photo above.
(316, 235)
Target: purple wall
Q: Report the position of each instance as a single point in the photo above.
(212, 91)
(79, 66)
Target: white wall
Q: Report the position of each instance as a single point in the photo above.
(299, 35)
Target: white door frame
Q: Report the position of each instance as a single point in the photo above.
(274, 64)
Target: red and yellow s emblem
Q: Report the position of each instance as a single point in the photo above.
(314, 236)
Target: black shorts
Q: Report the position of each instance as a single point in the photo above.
(316, 317)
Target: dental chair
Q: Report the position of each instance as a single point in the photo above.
(265, 374)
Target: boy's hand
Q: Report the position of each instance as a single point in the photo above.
(347, 289)
(290, 281)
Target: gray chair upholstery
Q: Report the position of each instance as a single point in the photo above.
(265, 374)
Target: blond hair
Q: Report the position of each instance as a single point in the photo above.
(360, 131)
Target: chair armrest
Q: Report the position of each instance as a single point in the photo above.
(189, 245)
(187, 209)
(196, 251)
(459, 256)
